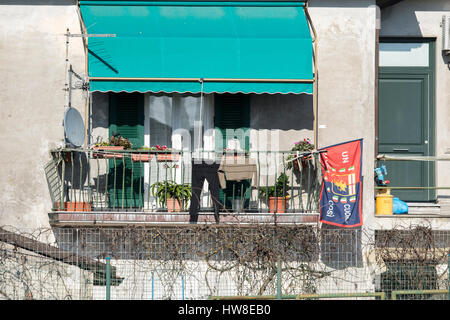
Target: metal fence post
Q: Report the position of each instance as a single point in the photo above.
(108, 278)
(182, 287)
(153, 287)
(279, 279)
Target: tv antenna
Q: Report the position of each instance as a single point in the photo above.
(74, 127)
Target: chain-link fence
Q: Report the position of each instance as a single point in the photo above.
(222, 261)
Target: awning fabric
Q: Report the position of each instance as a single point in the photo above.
(230, 45)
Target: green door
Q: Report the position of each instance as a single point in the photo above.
(126, 178)
(406, 127)
(232, 121)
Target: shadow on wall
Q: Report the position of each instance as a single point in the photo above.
(73, 171)
(400, 19)
(282, 112)
(395, 22)
(446, 59)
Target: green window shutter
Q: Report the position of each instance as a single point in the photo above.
(232, 120)
(126, 178)
(126, 117)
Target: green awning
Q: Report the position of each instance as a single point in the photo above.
(249, 47)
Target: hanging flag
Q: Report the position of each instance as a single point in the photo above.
(340, 197)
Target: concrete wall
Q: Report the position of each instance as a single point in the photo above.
(32, 100)
(34, 69)
(32, 52)
(414, 18)
(346, 68)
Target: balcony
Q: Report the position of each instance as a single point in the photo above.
(116, 187)
(418, 181)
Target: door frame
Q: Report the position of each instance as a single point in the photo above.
(430, 73)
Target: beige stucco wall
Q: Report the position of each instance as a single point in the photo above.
(415, 18)
(36, 73)
(32, 100)
(346, 68)
(32, 52)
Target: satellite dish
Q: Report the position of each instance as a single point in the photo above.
(74, 127)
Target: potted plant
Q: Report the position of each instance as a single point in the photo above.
(74, 206)
(171, 194)
(277, 195)
(116, 143)
(301, 146)
(166, 154)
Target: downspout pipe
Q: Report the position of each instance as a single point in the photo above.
(377, 45)
(316, 77)
(86, 78)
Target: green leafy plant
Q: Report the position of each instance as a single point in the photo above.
(120, 141)
(170, 189)
(157, 148)
(303, 146)
(147, 148)
(280, 188)
(116, 140)
(102, 144)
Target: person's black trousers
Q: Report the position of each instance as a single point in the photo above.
(202, 171)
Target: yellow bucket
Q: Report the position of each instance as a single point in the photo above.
(384, 204)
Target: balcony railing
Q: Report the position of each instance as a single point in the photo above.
(128, 181)
(420, 181)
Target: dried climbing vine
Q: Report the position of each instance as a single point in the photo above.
(212, 260)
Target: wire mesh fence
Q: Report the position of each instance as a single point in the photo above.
(198, 262)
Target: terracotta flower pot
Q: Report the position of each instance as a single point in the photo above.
(75, 206)
(173, 205)
(141, 157)
(278, 204)
(170, 157)
(103, 155)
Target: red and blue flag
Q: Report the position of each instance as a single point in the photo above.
(340, 197)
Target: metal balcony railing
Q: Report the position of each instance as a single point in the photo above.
(142, 180)
(414, 179)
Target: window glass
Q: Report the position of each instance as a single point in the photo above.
(160, 115)
(174, 120)
(404, 54)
